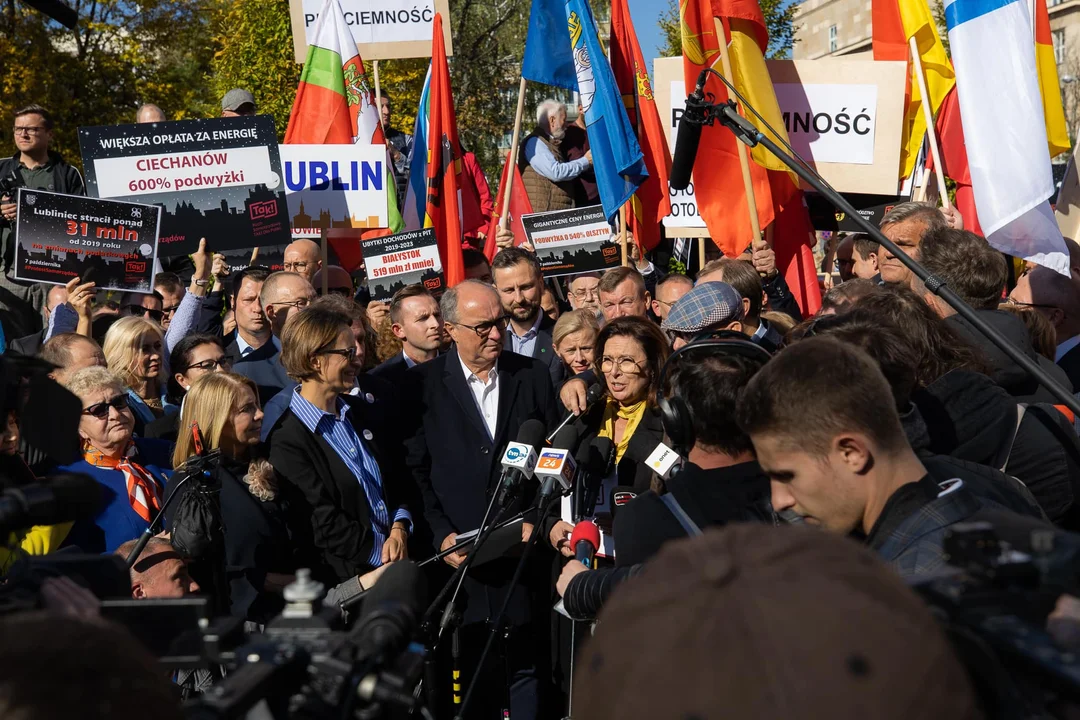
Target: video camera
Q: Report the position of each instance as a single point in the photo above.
(993, 603)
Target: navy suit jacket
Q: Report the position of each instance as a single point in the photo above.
(263, 366)
(544, 350)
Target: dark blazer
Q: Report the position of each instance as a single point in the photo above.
(392, 370)
(544, 349)
(29, 345)
(328, 511)
(631, 470)
(456, 465)
(263, 366)
(1070, 363)
(166, 427)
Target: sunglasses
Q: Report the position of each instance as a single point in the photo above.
(101, 410)
(140, 311)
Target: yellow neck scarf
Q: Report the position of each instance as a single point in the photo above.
(614, 412)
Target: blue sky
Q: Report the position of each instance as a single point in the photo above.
(644, 14)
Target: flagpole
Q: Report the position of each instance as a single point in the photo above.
(743, 153)
(254, 255)
(378, 93)
(325, 261)
(931, 131)
(622, 234)
(511, 157)
(700, 254)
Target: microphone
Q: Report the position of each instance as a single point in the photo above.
(519, 459)
(591, 396)
(686, 147)
(664, 461)
(594, 462)
(62, 499)
(585, 540)
(556, 464)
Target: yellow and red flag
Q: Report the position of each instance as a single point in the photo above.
(895, 22)
(1057, 132)
(651, 202)
(441, 211)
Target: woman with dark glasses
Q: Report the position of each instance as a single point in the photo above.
(194, 356)
(127, 469)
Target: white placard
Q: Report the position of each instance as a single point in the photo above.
(830, 123)
(339, 186)
(172, 172)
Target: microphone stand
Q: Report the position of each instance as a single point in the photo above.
(505, 604)
(470, 541)
(728, 115)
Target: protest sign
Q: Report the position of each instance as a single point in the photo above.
(338, 188)
(575, 241)
(844, 117)
(872, 208)
(218, 179)
(383, 29)
(60, 237)
(395, 261)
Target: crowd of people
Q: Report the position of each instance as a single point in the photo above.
(355, 434)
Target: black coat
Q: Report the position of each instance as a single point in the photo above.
(392, 370)
(1070, 363)
(263, 366)
(256, 543)
(456, 464)
(544, 349)
(739, 493)
(631, 470)
(166, 427)
(328, 510)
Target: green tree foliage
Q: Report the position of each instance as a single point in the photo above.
(255, 51)
(779, 15)
(120, 56)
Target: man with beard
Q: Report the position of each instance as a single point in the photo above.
(546, 173)
(520, 283)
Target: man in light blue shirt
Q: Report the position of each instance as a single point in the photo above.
(545, 172)
(517, 278)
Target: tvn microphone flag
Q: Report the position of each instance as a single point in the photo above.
(1005, 134)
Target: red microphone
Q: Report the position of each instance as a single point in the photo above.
(585, 540)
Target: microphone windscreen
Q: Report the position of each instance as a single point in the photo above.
(593, 393)
(532, 433)
(402, 583)
(585, 530)
(686, 147)
(566, 439)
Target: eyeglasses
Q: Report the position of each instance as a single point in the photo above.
(140, 311)
(484, 329)
(299, 303)
(210, 365)
(169, 310)
(101, 410)
(295, 266)
(348, 353)
(30, 131)
(1017, 303)
(626, 365)
(586, 293)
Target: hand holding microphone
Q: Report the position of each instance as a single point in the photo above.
(585, 541)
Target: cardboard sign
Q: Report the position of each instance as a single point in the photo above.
(575, 241)
(844, 117)
(218, 178)
(383, 29)
(408, 258)
(60, 237)
(334, 187)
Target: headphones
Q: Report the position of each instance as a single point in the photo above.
(674, 412)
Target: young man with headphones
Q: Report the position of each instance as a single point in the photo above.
(719, 481)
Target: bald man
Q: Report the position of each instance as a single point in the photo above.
(303, 257)
(338, 281)
(475, 398)
(282, 294)
(149, 113)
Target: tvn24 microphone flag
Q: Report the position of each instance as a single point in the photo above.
(992, 48)
(617, 159)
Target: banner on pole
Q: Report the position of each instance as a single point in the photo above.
(383, 29)
(574, 241)
(844, 117)
(334, 187)
(218, 178)
(395, 261)
(59, 237)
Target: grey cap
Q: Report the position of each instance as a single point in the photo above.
(706, 305)
(235, 98)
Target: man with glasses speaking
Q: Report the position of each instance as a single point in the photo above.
(468, 404)
(32, 166)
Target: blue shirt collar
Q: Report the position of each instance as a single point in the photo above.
(245, 349)
(310, 415)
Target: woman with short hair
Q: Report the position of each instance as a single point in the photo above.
(127, 468)
(574, 339)
(194, 356)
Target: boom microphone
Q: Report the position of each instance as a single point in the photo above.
(686, 147)
(585, 540)
(62, 499)
(591, 396)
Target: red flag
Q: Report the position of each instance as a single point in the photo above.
(651, 203)
(519, 205)
(793, 242)
(444, 163)
(954, 162)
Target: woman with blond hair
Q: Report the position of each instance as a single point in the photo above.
(574, 340)
(135, 352)
(247, 573)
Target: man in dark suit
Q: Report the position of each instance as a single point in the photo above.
(252, 349)
(469, 403)
(520, 283)
(417, 322)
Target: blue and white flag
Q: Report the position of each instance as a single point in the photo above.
(617, 158)
(1004, 128)
(416, 194)
(547, 57)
